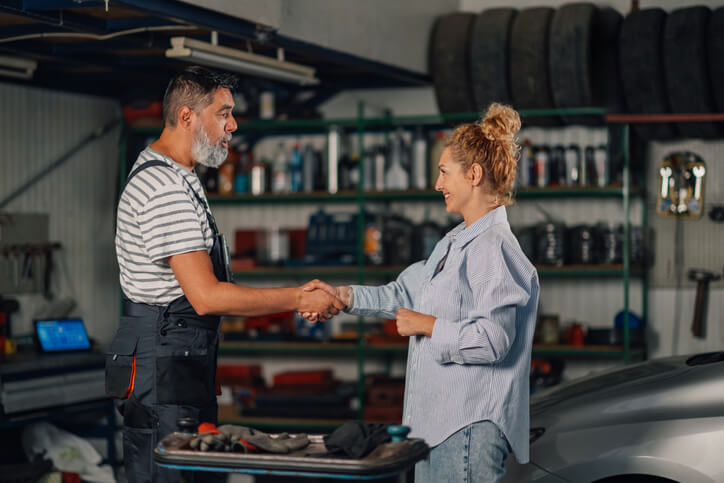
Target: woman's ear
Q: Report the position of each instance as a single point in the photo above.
(476, 174)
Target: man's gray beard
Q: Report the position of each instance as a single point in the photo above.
(206, 153)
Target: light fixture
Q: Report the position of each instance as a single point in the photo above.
(211, 55)
(17, 67)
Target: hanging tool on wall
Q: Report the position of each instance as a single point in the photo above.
(702, 279)
(681, 191)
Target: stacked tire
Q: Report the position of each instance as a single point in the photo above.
(582, 55)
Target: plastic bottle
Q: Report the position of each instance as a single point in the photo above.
(600, 160)
(435, 152)
(309, 171)
(296, 167)
(397, 177)
(241, 173)
(349, 171)
(258, 178)
(226, 177)
(541, 166)
(572, 157)
(418, 166)
(280, 171)
(334, 152)
(587, 166)
(526, 159)
(380, 162)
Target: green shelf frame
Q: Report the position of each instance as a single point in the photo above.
(413, 195)
(232, 348)
(351, 272)
(385, 122)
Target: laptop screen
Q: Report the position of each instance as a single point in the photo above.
(61, 335)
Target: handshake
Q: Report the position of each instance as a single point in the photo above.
(319, 301)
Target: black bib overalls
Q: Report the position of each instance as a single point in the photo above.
(161, 366)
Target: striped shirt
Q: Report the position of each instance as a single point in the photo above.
(476, 365)
(158, 216)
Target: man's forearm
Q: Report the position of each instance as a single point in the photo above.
(229, 299)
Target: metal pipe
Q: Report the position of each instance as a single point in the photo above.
(58, 162)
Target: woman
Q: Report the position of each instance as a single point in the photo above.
(470, 312)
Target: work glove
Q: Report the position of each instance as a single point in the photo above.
(241, 437)
(208, 442)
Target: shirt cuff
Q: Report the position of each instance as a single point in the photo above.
(364, 302)
(445, 342)
(350, 305)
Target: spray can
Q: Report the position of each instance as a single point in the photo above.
(572, 160)
(380, 162)
(334, 152)
(309, 171)
(526, 159)
(587, 166)
(600, 160)
(419, 160)
(541, 166)
(397, 177)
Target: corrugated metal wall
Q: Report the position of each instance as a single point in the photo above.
(36, 127)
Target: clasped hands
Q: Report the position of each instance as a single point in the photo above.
(409, 322)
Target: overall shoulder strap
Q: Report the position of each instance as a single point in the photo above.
(147, 164)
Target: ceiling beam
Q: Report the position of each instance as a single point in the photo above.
(59, 4)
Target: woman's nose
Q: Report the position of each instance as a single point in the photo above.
(438, 184)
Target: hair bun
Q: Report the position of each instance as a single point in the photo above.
(501, 122)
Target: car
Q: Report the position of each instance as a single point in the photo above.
(653, 422)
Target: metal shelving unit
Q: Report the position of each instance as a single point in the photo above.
(360, 272)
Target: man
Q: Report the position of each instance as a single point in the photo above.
(175, 278)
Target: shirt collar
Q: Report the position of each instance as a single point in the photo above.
(462, 235)
(179, 169)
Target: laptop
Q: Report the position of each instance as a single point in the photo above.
(61, 335)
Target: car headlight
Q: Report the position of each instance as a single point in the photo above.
(536, 433)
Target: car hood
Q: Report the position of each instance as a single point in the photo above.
(675, 387)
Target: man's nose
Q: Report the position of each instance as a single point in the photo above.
(231, 125)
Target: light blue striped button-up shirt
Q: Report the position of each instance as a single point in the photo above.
(476, 365)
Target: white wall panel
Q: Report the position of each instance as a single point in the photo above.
(36, 127)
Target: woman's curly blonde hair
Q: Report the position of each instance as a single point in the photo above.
(490, 143)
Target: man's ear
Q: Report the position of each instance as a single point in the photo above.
(475, 173)
(184, 117)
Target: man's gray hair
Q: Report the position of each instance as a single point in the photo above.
(194, 88)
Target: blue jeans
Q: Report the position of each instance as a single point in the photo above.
(474, 454)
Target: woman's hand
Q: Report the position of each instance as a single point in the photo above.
(410, 323)
(341, 294)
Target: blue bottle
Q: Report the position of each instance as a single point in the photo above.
(296, 167)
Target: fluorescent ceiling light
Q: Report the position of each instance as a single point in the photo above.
(195, 51)
(17, 67)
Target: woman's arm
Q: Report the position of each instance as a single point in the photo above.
(380, 301)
